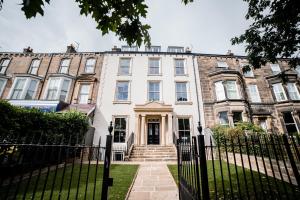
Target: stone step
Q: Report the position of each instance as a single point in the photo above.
(153, 159)
(151, 156)
(154, 149)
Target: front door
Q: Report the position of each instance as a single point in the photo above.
(153, 133)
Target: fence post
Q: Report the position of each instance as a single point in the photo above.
(197, 166)
(291, 158)
(106, 181)
(203, 164)
(179, 166)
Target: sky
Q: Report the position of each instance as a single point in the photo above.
(206, 26)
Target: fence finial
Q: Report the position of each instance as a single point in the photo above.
(199, 127)
(110, 128)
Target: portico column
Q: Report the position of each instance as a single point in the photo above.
(170, 131)
(143, 130)
(163, 130)
(137, 129)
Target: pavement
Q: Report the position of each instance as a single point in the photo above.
(153, 182)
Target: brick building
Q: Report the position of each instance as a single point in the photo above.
(45, 79)
(261, 96)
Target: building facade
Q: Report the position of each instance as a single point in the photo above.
(268, 97)
(152, 95)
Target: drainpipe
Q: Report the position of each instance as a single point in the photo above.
(75, 80)
(46, 75)
(197, 95)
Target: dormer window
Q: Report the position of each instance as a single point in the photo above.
(129, 48)
(3, 65)
(176, 49)
(90, 65)
(64, 66)
(275, 69)
(222, 64)
(34, 66)
(152, 49)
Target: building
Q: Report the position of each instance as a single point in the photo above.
(153, 96)
(268, 96)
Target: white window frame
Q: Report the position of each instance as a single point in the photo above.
(128, 91)
(190, 124)
(222, 64)
(175, 49)
(129, 67)
(2, 66)
(3, 86)
(275, 69)
(58, 92)
(64, 66)
(187, 91)
(25, 87)
(32, 66)
(282, 90)
(80, 93)
(126, 129)
(219, 91)
(159, 66)
(90, 66)
(148, 90)
(294, 86)
(255, 97)
(236, 89)
(184, 67)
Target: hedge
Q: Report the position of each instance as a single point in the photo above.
(32, 125)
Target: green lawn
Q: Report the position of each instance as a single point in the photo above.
(262, 189)
(122, 174)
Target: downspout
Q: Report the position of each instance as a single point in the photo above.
(197, 96)
(76, 78)
(43, 83)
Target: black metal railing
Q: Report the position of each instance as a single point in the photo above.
(53, 170)
(130, 143)
(240, 167)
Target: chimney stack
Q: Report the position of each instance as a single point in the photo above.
(28, 50)
(188, 50)
(71, 49)
(229, 53)
(115, 48)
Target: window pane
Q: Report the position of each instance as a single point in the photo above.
(219, 89)
(222, 64)
(64, 66)
(289, 122)
(120, 130)
(184, 129)
(64, 90)
(253, 93)
(90, 64)
(17, 91)
(275, 69)
(153, 66)
(231, 90)
(84, 94)
(279, 92)
(237, 117)
(154, 93)
(179, 66)
(293, 91)
(122, 91)
(124, 66)
(2, 84)
(223, 118)
(181, 92)
(31, 89)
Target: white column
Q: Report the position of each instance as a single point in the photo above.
(137, 129)
(170, 130)
(143, 130)
(163, 130)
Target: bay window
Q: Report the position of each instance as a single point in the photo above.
(279, 92)
(293, 91)
(2, 85)
(58, 88)
(226, 89)
(24, 88)
(3, 65)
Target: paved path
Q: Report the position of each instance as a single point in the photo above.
(154, 182)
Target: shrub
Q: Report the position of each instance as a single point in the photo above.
(33, 125)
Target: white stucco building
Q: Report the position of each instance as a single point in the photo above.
(150, 94)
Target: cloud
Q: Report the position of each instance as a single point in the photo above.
(206, 25)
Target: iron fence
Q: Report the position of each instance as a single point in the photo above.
(54, 170)
(247, 167)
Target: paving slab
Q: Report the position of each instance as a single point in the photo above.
(154, 182)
